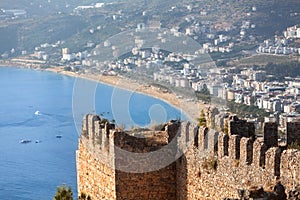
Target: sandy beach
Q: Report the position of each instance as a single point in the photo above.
(189, 108)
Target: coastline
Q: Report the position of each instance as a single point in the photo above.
(189, 108)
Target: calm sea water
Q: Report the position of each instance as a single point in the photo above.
(32, 171)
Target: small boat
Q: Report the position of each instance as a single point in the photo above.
(24, 141)
(38, 141)
(37, 112)
(58, 136)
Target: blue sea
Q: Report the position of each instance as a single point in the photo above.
(37, 106)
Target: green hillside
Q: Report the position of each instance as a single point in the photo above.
(45, 25)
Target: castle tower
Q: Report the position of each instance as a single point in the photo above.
(113, 164)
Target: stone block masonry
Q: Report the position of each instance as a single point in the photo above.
(213, 165)
(270, 134)
(94, 177)
(98, 163)
(293, 133)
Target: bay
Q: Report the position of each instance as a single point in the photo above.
(37, 106)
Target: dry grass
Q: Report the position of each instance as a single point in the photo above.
(210, 163)
(264, 59)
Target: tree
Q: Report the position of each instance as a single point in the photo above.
(68, 68)
(202, 119)
(63, 193)
(84, 197)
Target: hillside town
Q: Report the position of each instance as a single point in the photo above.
(282, 45)
(249, 86)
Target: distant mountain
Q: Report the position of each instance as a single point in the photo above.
(51, 20)
(44, 7)
(274, 16)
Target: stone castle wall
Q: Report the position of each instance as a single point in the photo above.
(238, 163)
(214, 166)
(95, 177)
(151, 185)
(134, 183)
(99, 157)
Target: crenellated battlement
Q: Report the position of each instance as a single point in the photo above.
(237, 159)
(99, 133)
(240, 146)
(97, 130)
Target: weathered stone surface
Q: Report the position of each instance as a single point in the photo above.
(246, 151)
(237, 164)
(293, 133)
(289, 168)
(273, 161)
(223, 141)
(259, 153)
(93, 177)
(240, 127)
(203, 138)
(270, 134)
(234, 147)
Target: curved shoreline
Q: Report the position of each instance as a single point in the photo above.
(188, 108)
